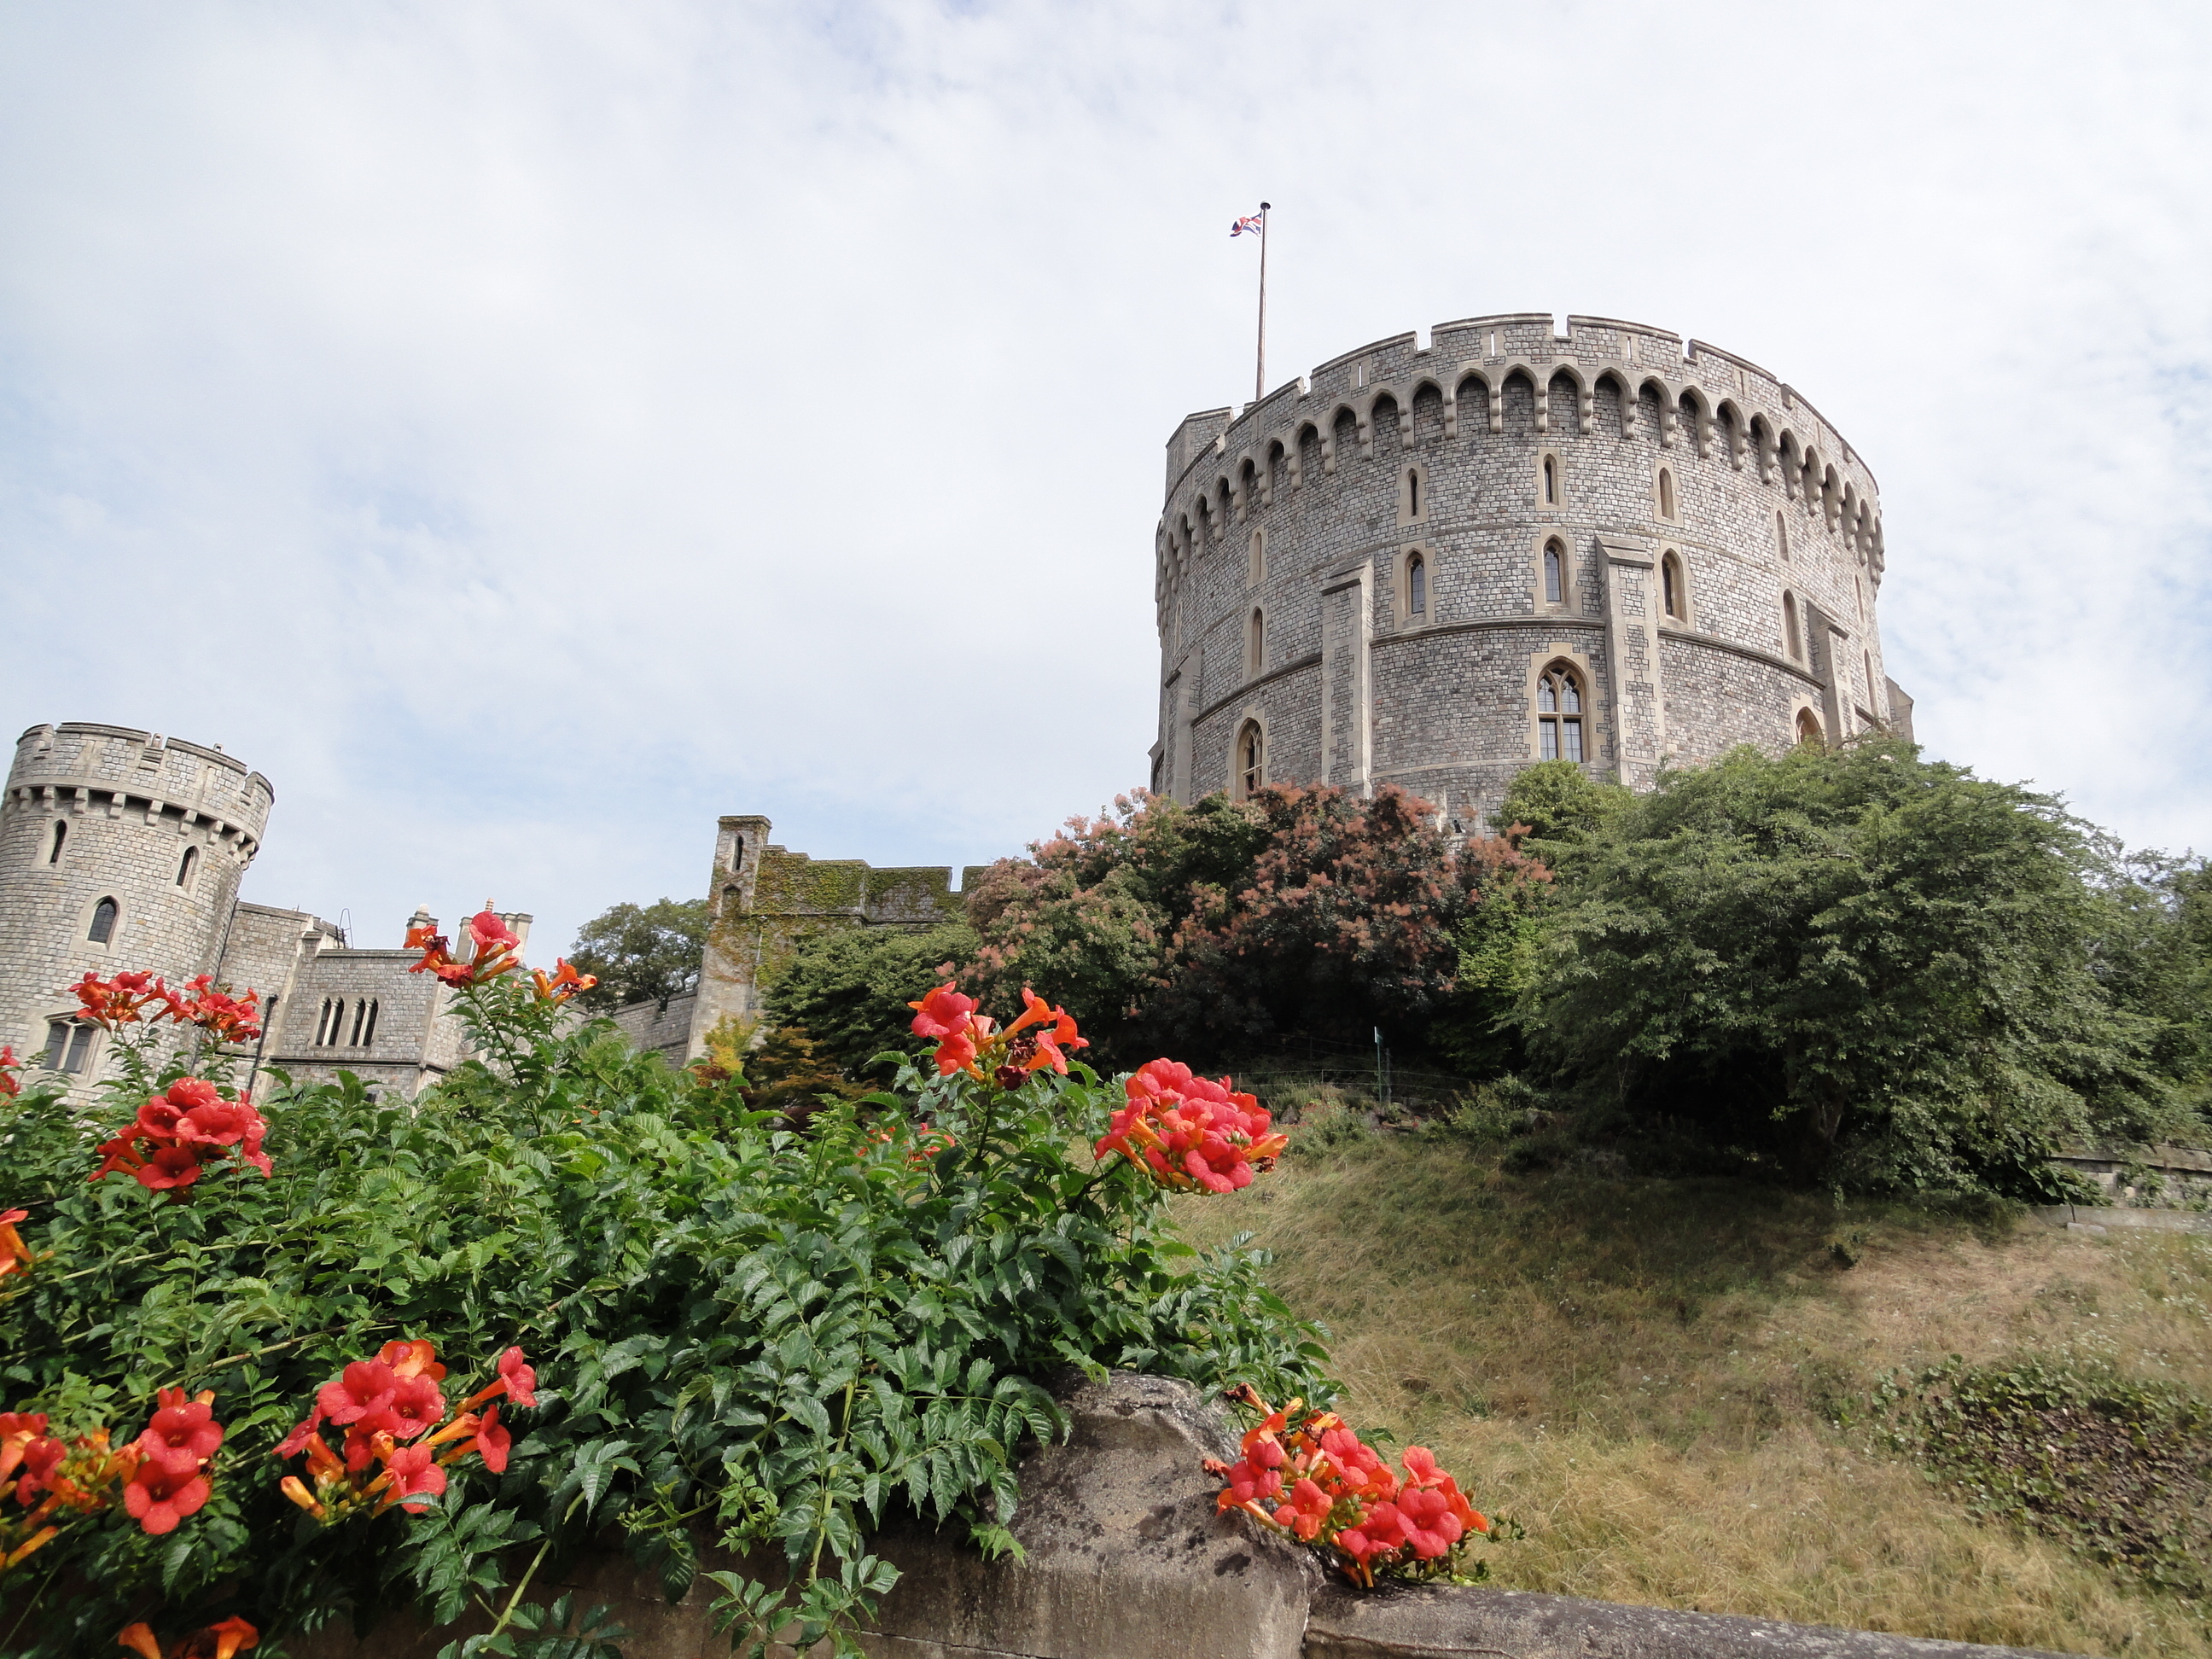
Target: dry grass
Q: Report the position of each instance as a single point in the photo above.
(1646, 1373)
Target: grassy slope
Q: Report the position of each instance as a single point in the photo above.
(1643, 1372)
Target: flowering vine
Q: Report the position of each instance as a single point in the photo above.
(1309, 1477)
(177, 1132)
(1189, 1132)
(160, 1477)
(494, 947)
(393, 1415)
(970, 1042)
(214, 1642)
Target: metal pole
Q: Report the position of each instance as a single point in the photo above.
(268, 1010)
(1260, 367)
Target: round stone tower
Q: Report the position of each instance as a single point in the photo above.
(1433, 565)
(119, 849)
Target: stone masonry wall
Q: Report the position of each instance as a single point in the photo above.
(1304, 508)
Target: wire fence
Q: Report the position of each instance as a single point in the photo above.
(1298, 1065)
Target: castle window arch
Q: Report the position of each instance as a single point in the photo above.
(1255, 642)
(68, 1045)
(1248, 763)
(1782, 535)
(1674, 587)
(1791, 639)
(1559, 712)
(364, 1022)
(1415, 580)
(60, 840)
(1554, 572)
(1808, 728)
(105, 915)
(1414, 494)
(1550, 480)
(188, 868)
(1670, 508)
(1255, 560)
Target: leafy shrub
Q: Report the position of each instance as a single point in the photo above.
(2119, 1469)
(789, 1334)
(642, 951)
(1863, 967)
(850, 991)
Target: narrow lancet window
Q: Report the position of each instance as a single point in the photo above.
(1255, 648)
(1790, 626)
(186, 866)
(1251, 761)
(1551, 481)
(61, 837)
(1667, 493)
(1554, 576)
(1417, 586)
(103, 921)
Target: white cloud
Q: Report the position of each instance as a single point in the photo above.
(527, 431)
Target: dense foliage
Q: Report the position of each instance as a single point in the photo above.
(785, 1336)
(642, 952)
(1859, 965)
(1213, 929)
(849, 991)
(2118, 1469)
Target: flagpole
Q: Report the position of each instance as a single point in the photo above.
(1260, 367)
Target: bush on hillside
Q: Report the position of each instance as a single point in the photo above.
(1857, 965)
(786, 1334)
(849, 991)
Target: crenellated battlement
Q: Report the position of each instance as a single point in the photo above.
(78, 766)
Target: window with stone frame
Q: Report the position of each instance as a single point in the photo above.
(104, 917)
(1792, 642)
(1672, 590)
(68, 1045)
(1417, 586)
(1555, 573)
(1256, 644)
(188, 867)
(1808, 728)
(1559, 713)
(60, 840)
(1251, 760)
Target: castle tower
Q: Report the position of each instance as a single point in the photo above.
(1435, 565)
(119, 849)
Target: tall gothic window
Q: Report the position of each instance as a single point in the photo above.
(1790, 637)
(1251, 761)
(1559, 713)
(1551, 481)
(61, 835)
(1255, 569)
(1808, 727)
(1417, 585)
(1667, 493)
(1255, 645)
(1782, 535)
(103, 921)
(1412, 494)
(1670, 588)
(1555, 586)
(185, 868)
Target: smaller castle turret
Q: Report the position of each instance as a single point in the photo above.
(119, 848)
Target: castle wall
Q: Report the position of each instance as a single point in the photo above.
(764, 902)
(1398, 449)
(128, 807)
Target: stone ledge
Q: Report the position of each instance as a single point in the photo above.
(1420, 1619)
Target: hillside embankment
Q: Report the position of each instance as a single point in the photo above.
(1673, 1385)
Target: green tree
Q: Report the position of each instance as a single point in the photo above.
(848, 990)
(1859, 965)
(642, 952)
(1498, 939)
(1552, 808)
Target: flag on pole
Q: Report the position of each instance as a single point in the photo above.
(1246, 227)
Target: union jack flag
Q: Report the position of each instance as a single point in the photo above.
(1246, 227)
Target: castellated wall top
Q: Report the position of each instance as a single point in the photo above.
(1433, 563)
(144, 765)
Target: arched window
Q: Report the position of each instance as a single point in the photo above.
(1551, 481)
(1256, 644)
(1559, 713)
(1251, 760)
(1667, 493)
(68, 1045)
(1417, 585)
(1413, 493)
(1782, 535)
(61, 835)
(364, 1022)
(1808, 727)
(103, 920)
(187, 866)
(1256, 567)
(326, 1016)
(1670, 588)
(1790, 626)
(1555, 574)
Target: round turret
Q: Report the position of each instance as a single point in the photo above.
(1435, 565)
(119, 849)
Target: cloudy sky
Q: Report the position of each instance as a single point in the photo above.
(524, 431)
